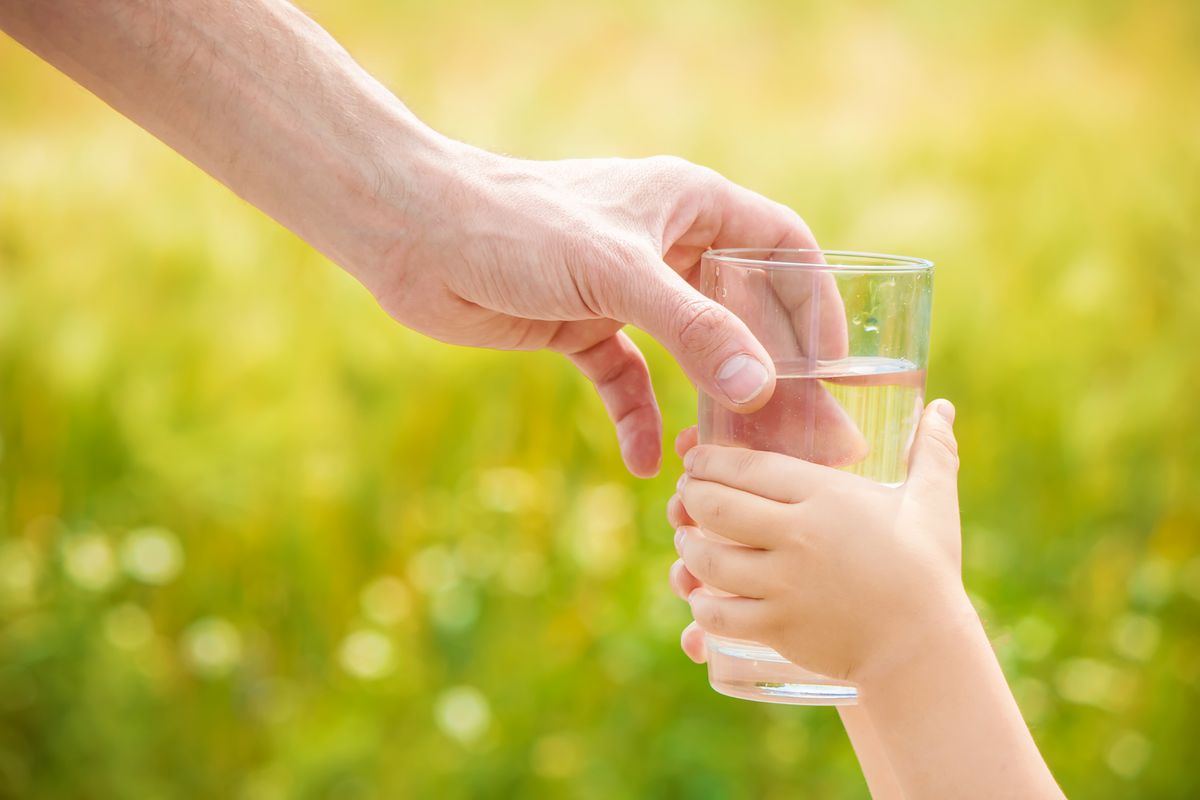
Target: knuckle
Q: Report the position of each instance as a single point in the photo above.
(699, 323)
(708, 564)
(791, 216)
(678, 175)
(945, 444)
(710, 617)
(718, 511)
(843, 492)
(625, 375)
(711, 508)
(745, 463)
(669, 166)
(791, 521)
(708, 179)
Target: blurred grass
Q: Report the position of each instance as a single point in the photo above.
(258, 541)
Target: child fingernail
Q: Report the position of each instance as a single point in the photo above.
(679, 483)
(946, 409)
(679, 537)
(689, 458)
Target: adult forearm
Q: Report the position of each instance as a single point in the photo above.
(259, 96)
(461, 245)
(950, 725)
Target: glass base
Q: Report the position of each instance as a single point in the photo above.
(753, 672)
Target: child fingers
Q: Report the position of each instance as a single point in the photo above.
(735, 617)
(735, 514)
(676, 514)
(728, 567)
(771, 475)
(683, 582)
(692, 642)
(685, 441)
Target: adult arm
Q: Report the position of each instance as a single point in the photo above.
(463, 245)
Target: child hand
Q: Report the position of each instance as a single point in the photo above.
(842, 575)
(859, 581)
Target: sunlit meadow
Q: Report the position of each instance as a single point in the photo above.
(257, 541)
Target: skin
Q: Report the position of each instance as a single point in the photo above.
(860, 581)
(877, 769)
(463, 245)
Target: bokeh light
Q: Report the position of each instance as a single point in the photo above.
(367, 654)
(212, 647)
(257, 540)
(152, 555)
(462, 713)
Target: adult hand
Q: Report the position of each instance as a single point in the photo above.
(523, 255)
(465, 246)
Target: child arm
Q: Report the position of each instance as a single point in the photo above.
(856, 580)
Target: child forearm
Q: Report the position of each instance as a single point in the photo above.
(872, 757)
(950, 726)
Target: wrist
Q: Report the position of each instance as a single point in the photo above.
(393, 171)
(948, 721)
(418, 186)
(923, 646)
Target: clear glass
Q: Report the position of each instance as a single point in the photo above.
(849, 335)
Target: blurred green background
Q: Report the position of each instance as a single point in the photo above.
(257, 541)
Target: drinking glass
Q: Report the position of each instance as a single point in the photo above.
(849, 335)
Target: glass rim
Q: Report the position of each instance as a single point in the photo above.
(752, 257)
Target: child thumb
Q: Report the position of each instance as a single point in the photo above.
(933, 463)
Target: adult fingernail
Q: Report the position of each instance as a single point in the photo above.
(679, 537)
(945, 409)
(742, 377)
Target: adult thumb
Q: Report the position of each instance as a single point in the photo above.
(933, 463)
(714, 347)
